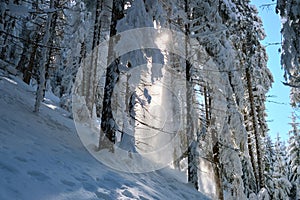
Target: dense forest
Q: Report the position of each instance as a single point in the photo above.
(187, 75)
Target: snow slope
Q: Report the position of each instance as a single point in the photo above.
(42, 158)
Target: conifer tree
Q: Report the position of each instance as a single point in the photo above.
(269, 165)
(282, 185)
(289, 11)
(294, 158)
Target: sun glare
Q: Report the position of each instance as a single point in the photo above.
(162, 40)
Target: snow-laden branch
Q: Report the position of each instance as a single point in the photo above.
(291, 85)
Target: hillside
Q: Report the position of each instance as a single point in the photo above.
(42, 158)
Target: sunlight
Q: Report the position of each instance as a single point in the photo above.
(53, 107)
(9, 80)
(162, 40)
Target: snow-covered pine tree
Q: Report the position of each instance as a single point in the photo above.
(75, 48)
(257, 80)
(202, 11)
(282, 185)
(294, 158)
(236, 19)
(208, 27)
(232, 23)
(289, 11)
(269, 165)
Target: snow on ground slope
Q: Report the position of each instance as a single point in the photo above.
(42, 158)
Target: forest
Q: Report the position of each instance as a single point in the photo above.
(157, 83)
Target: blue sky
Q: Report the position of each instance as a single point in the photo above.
(278, 113)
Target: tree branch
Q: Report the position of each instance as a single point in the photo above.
(268, 5)
(290, 85)
(30, 42)
(272, 44)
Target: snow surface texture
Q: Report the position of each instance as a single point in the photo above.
(42, 158)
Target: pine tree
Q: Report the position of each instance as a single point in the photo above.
(76, 53)
(289, 11)
(269, 165)
(282, 185)
(223, 20)
(294, 158)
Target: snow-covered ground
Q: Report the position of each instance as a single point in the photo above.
(42, 158)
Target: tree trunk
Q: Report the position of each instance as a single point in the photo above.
(255, 129)
(91, 72)
(28, 71)
(43, 61)
(108, 124)
(261, 154)
(190, 128)
(190, 131)
(251, 148)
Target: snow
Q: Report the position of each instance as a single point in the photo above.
(41, 157)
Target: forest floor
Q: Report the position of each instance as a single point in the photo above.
(42, 157)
